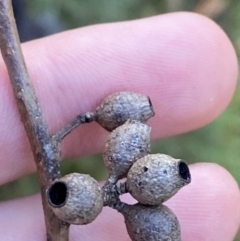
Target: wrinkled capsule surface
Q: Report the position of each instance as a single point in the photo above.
(76, 198)
(155, 178)
(124, 146)
(117, 108)
(151, 223)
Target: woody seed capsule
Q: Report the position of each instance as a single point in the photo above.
(121, 106)
(151, 223)
(75, 198)
(124, 146)
(155, 178)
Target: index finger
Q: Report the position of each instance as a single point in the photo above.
(183, 61)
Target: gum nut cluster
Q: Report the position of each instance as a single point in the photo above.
(76, 198)
(155, 178)
(126, 144)
(151, 179)
(117, 108)
(151, 223)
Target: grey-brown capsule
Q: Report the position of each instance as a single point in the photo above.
(155, 178)
(151, 223)
(76, 198)
(117, 108)
(124, 146)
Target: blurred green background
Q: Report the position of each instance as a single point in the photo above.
(218, 142)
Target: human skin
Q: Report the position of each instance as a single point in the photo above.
(183, 61)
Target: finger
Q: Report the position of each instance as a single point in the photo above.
(208, 209)
(183, 61)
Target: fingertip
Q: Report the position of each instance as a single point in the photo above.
(197, 72)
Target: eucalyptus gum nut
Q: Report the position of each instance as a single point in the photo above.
(155, 178)
(75, 198)
(151, 223)
(117, 108)
(124, 146)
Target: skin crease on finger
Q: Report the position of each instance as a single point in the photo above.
(208, 210)
(183, 61)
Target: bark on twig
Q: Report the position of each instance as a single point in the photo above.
(46, 152)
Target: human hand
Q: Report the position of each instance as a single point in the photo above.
(187, 66)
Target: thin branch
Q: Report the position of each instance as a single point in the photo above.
(120, 206)
(46, 152)
(112, 191)
(80, 119)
